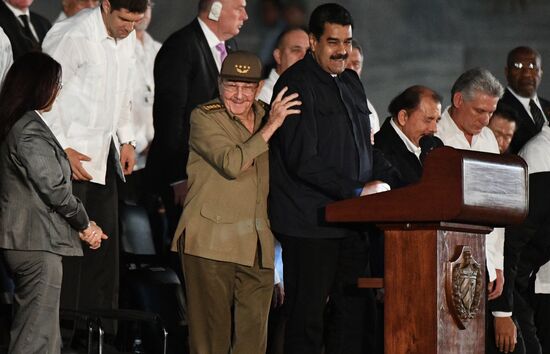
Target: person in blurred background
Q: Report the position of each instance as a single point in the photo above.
(72, 7)
(355, 62)
(134, 190)
(25, 29)
(40, 219)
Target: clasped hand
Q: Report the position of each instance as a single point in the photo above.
(93, 235)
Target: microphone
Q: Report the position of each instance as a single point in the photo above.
(427, 144)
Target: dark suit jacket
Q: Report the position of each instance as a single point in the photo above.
(185, 76)
(525, 126)
(526, 246)
(323, 154)
(405, 162)
(20, 43)
(37, 208)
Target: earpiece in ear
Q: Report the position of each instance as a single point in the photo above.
(215, 11)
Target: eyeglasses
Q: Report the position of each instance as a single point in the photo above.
(530, 66)
(246, 89)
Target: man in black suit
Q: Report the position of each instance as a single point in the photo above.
(523, 73)
(414, 114)
(322, 155)
(526, 248)
(186, 73)
(25, 29)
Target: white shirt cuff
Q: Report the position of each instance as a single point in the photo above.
(501, 314)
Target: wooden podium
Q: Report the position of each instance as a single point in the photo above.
(435, 247)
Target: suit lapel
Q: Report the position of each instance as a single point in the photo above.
(48, 130)
(205, 50)
(38, 27)
(520, 109)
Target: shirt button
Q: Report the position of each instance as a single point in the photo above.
(218, 218)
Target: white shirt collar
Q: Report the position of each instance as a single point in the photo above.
(408, 143)
(62, 16)
(17, 12)
(451, 135)
(211, 37)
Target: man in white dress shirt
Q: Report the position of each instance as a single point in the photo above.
(134, 189)
(91, 118)
(463, 125)
(72, 7)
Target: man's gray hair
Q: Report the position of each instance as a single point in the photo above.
(477, 80)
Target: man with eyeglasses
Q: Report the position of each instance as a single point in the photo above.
(523, 73)
(223, 237)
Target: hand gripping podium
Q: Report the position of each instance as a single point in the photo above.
(434, 231)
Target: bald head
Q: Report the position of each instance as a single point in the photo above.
(72, 7)
(291, 47)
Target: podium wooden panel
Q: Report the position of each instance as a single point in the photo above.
(427, 226)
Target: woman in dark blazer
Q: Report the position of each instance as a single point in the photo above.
(40, 219)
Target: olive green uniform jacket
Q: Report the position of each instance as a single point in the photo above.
(225, 212)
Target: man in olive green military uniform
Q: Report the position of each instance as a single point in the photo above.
(223, 236)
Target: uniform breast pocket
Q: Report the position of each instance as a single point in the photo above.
(219, 215)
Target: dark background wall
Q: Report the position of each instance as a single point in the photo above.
(407, 42)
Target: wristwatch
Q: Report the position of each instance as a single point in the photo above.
(131, 142)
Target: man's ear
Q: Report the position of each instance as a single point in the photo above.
(402, 117)
(106, 6)
(277, 56)
(458, 99)
(312, 42)
(259, 89)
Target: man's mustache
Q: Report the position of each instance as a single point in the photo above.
(339, 56)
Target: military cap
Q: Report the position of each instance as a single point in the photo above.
(242, 66)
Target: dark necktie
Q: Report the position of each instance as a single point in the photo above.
(540, 121)
(27, 29)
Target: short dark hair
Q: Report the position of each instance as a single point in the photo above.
(355, 45)
(505, 111)
(31, 84)
(135, 6)
(287, 31)
(328, 13)
(522, 49)
(410, 99)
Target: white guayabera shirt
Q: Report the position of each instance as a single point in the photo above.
(485, 141)
(94, 107)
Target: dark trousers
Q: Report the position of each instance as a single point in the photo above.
(37, 276)
(318, 272)
(541, 304)
(91, 282)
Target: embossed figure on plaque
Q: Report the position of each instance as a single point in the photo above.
(464, 287)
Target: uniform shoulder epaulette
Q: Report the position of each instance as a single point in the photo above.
(212, 107)
(264, 105)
